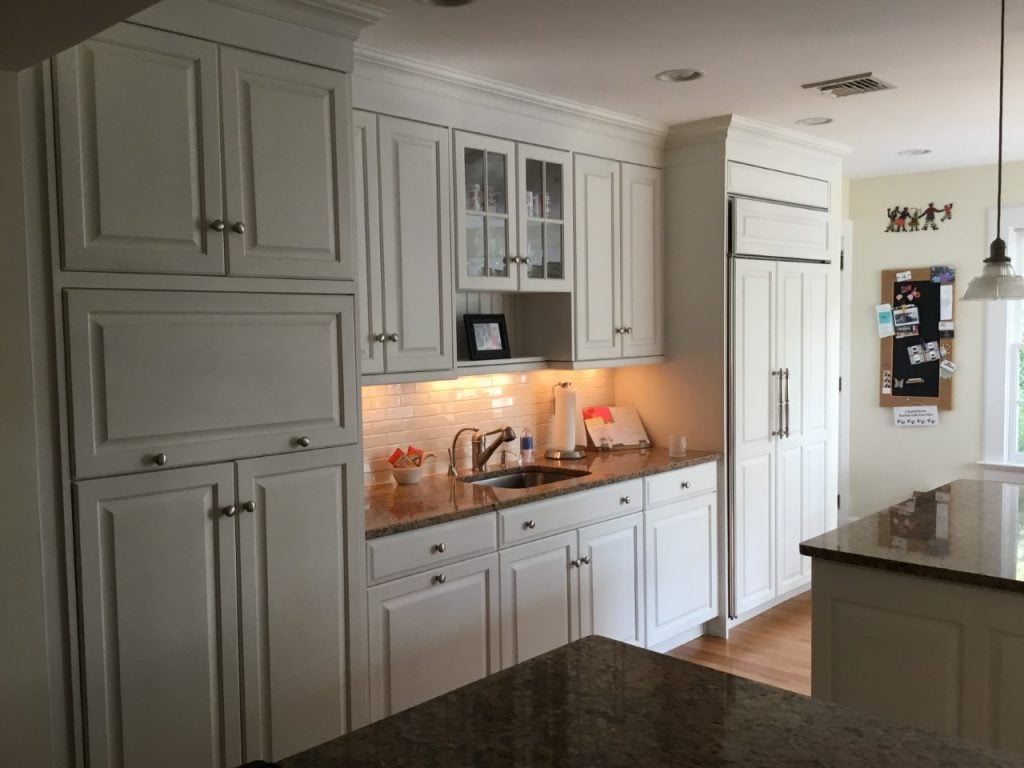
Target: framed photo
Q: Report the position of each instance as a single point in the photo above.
(486, 337)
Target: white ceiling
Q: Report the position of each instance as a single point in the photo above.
(942, 55)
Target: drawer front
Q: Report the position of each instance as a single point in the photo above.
(202, 377)
(779, 231)
(405, 553)
(777, 185)
(531, 521)
(681, 483)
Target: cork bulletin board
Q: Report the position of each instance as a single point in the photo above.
(923, 307)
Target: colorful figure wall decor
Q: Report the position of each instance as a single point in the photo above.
(907, 219)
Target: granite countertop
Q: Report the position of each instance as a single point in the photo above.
(968, 531)
(392, 508)
(598, 702)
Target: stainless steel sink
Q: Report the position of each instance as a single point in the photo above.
(526, 477)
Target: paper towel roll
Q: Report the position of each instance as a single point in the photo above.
(563, 430)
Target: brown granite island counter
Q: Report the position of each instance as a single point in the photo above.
(598, 702)
(918, 613)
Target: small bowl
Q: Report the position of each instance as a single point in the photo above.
(407, 475)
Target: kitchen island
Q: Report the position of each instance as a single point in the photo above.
(598, 702)
(918, 613)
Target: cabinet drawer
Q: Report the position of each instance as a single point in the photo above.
(202, 377)
(541, 518)
(402, 553)
(681, 483)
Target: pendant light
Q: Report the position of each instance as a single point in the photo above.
(997, 279)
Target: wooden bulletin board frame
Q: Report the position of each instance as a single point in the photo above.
(928, 332)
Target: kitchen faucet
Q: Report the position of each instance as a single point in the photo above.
(481, 451)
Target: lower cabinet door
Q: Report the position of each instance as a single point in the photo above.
(681, 566)
(612, 579)
(432, 633)
(293, 515)
(539, 592)
(159, 619)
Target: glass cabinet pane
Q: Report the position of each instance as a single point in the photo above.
(552, 191)
(474, 180)
(553, 250)
(535, 248)
(476, 254)
(497, 246)
(534, 188)
(496, 183)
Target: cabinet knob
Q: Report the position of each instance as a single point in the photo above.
(574, 563)
(625, 500)
(249, 506)
(160, 459)
(217, 225)
(585, 560)
(238, 227)
(392, 337)
(531, 524)
(440, 547)
(380, 338)
(303, 442)
(628, 329)
(685, 484)
(230, 511)
(440, 578)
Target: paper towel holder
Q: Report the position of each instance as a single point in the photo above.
(554, 453)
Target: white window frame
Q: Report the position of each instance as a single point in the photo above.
(1002, 343)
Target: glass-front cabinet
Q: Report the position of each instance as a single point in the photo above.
(511, 228)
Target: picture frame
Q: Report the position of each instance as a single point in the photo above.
(487, 337)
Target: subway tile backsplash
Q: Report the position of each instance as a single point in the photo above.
(429, 414)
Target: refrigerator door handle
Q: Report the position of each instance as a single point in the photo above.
(786, 401)
(781, 431)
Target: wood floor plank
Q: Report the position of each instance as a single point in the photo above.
(773, 648)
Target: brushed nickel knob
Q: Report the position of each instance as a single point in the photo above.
(574, 563)
(685, 484)
(160, 459)
(238, 227)
(628, 329)
(625, 500)
(440, 547)
(303, 442)
(440, 578)
(392, 337)
(585, 560)
(249, 506)
(217, 225)
(230, 511)
(380, 338)
(531, 524)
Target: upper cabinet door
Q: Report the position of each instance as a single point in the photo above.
(415, 190)
(159, 619)
(287, 168)
(598, 296)
(545, 219)
(779, 231)
(139, 136)
(369, 270)
(485, 213)
(161, 378)
(296, 515)
(643, 284)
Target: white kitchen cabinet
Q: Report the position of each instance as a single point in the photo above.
(431, 633)
(161, 378)
(681, 561)
(539, 597)
(619, 260)
(160, 619)
(366, 226)
(296, 516)
(612, 579)
(140, 174)
(545, 219)
(763, 228)
(287, 169)
(415, 204)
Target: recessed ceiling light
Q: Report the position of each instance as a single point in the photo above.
(679, 75)
(914, 152)
(446, 3)
(814, 120)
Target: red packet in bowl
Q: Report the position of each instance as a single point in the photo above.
(416, 454)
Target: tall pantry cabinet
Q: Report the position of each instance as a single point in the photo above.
(204, 291)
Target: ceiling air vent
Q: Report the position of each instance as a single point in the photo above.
(851, 85)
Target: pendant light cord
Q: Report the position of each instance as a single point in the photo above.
(1002, 69)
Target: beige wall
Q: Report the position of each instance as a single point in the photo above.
(886, 463)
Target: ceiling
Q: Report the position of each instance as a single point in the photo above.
(941, 54)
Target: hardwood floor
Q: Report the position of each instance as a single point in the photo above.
(773, 648)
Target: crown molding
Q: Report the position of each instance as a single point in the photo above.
(723, 127)
(345, 18)
(384, 66)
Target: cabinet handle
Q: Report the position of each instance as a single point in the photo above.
(303, 442)
(230, 511)
(785, 378)
(780, 432)
(160, 459)
(685, 484)
(524, 260)
(392, 337)
(440, 578)
(628, 329)
(238, 227)
(531, 524)
(585, 560)
(625, 500)
(380, 338)
(574, 563)
(217, 225)
(249, 506)
(620, 331)
(440, 547)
